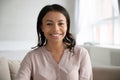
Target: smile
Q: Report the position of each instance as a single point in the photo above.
(55, 35)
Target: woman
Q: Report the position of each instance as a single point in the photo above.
(56, 56)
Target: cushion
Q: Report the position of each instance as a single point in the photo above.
(14, 67)
(106, 73)
(4, 69)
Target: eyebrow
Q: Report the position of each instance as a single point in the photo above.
(49, 20)
(52, 21)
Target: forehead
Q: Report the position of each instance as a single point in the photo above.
(54, 15)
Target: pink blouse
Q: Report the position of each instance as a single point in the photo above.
(38, 64)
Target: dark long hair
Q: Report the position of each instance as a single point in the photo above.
(69, 40)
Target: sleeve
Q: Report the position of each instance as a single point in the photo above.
(85, 66)
(25, 69)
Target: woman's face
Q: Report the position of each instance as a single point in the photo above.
(54, 26)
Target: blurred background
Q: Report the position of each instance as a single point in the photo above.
(95, 25)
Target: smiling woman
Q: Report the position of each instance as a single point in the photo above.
(54, 28)
(56, 51)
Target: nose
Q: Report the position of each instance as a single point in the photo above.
(56, 27)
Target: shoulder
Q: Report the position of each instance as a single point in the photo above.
(79, 48)
(81, 51)
(32, 55)
(34, 52)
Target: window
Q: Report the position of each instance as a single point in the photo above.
(99, 22)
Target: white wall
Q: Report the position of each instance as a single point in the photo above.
(18, 24)
(18, 17)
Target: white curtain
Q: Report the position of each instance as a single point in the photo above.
(83, 20)
(96, 22)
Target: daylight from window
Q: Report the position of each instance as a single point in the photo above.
(99, 22)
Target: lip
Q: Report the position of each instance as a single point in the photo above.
(56, 35)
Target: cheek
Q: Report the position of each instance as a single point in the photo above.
(65, 29)
(43, 28)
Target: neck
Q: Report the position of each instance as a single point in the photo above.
(58, 47)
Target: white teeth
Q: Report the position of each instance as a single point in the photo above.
(55, 34)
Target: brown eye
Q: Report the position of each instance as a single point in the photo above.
(49, 24)
(60, 24)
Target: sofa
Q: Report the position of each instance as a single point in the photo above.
(9, 68)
